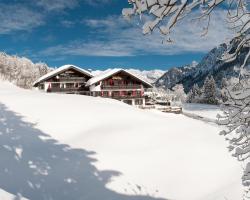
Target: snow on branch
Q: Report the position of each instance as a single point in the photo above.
(236, 117)
(165, 14)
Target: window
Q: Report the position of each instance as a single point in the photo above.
(55, 85)
(129, 93)
(41, 86)
(138, 101)
(115, 94)
(105, 93)
(111, 82)
(69, 85)
(96, 94)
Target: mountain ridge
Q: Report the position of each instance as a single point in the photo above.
(211, 64)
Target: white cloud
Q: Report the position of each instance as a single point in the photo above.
(98, 2)
(116, 37)
(80, 48)
(101, 23)
(25, 16)
(17, 17)
(68, 23)
(57, 5)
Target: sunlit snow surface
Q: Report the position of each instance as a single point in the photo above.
(137, 152)
(203, 110)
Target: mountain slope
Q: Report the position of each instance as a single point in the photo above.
(211, 64)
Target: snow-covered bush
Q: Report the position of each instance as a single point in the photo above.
(20, 70)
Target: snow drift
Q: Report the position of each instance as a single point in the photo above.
(77, 147)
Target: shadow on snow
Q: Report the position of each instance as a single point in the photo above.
(42, 169)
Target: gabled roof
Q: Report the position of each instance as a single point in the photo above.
(112, 72)
(60, 70)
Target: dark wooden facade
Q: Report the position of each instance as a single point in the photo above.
(122, 86)
(66, 81)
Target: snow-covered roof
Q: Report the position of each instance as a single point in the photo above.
(112, 72)
(61, 69)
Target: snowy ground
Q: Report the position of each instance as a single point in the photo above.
(202, 110)
(65, 147)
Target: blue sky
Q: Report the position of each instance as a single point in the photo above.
(93, 34)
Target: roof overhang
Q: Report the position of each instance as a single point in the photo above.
(116, 71)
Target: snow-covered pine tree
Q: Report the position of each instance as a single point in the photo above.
(20, 70)
(209, 91)
(190, 96)
(197, 93)
(194, 95)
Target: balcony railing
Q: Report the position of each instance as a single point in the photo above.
(117, 87)
(69, 90)
(126, 97)
(73, 79)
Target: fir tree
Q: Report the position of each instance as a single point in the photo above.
(209, 91)
(194, 94)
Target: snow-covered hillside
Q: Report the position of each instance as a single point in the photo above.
(149, 75)
(77, 147)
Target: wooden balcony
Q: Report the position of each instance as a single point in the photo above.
(70, 91)
(73, 79)
(120, 87)
(126, 97)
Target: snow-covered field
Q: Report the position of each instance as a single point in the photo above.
(74, 147)
(203, 110)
